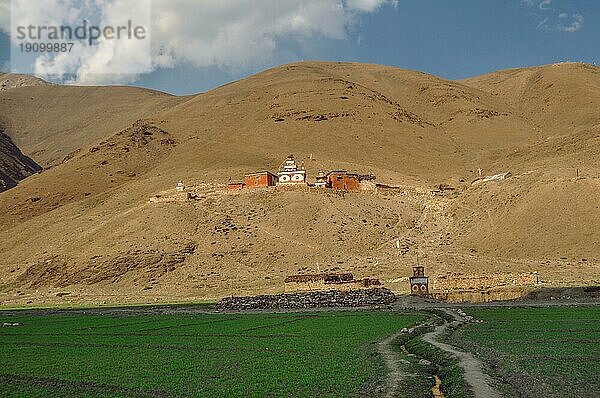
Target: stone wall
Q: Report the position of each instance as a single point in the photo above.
(479, 296)
(458, 281)
(328, 281)
(170, 197)
(322, 299)
(355, 284)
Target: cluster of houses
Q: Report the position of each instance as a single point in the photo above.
(419, 282)
(328, 281)
(290, 174)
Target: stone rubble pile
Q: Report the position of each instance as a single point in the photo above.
(315, 299)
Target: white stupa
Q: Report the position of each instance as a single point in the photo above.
(290, 174)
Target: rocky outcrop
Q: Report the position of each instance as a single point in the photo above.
(14, 166)
(332, 298)
(145, 267)
(11, 80)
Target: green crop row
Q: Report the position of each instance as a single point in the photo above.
(538, 351)
(208, 355)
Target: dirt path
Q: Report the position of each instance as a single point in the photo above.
(472, 367)
(435, 390)
(393, 363)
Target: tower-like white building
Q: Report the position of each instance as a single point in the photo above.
(321, 180)
(290, 174)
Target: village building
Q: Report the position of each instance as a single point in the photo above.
(419, 283)
(261, 179)
(235, 186)
(290, 174)
(180, 186)
(321, 180)
(343, 181)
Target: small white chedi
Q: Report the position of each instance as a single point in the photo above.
(290, 174)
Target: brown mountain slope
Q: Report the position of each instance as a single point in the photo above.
(49, 123)
(545, 210)
(12, 80)
(379, 117)
(97, 237)
(14, 166)
(556, 98)
(122, 158)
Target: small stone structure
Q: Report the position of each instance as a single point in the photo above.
(180, 186)
(321, 180)
(495, 177)
(442, 189)
(235, 186)
(419, 283)
(368, 185)
(328, 281)
(332, 298)
(170, 197)
(389, 188)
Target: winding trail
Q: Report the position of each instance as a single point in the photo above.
(393, 363)
(472, 367)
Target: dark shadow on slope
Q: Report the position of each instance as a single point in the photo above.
(14, 165)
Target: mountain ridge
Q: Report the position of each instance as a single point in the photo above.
(99, 238)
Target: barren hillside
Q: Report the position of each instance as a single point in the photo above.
(14, 166)
(84, 229)
(50, 123)
(12, 80)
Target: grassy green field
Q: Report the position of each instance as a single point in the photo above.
(549, 352)
(206, 355)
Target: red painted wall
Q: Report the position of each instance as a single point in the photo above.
(346, 182)
(258, 180)
(235, 186)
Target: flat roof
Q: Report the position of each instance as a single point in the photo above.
(260, 172)
(343, 172)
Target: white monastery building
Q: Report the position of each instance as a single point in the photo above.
(290, 174)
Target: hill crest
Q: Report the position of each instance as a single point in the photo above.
(97, 235)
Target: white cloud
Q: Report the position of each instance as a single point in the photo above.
(226, 34)
(542, 23)
(543, 5)
(239, 32)
(235, 33)
(5, 16)
(109, 61)
(575, 23)
(553, 20)
(367, 5)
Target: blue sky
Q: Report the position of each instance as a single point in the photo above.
(453, 39)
